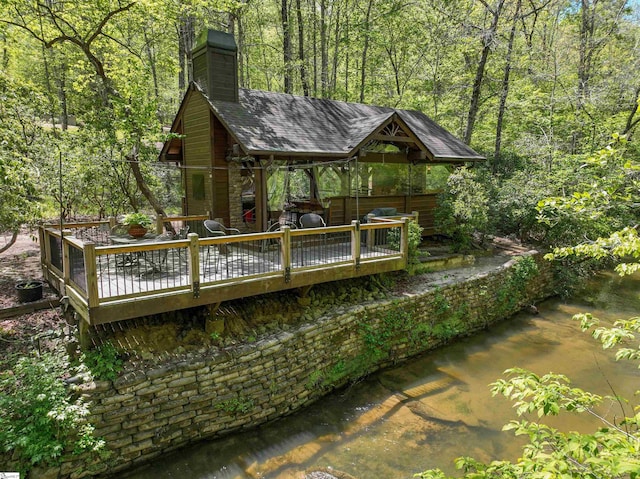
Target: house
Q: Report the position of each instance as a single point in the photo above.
(252, 158)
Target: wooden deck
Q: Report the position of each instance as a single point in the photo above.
(107, 283)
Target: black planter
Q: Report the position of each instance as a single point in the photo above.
(29, 291)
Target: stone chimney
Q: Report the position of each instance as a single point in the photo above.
(215, 65)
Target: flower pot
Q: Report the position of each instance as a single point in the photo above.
(29, 291)
(137, 231)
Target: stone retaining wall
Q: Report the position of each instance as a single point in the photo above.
(147, 412)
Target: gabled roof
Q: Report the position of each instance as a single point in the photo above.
(266, 123)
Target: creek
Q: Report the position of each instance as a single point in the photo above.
(430, 410)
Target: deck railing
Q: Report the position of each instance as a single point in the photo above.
(196, 270)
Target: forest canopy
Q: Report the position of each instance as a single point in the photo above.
(531, 85)
(547, 90)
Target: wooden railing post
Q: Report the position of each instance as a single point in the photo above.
(416, 216)
(66, 263)
(159, 224)
(194, 263)
(370, 233)
(404, 241)
(286, 253)
(91, 274)
(112, 222)
(47, 246)
(355, 243)
(43, 249)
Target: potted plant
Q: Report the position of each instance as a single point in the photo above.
(137, 223)
(29, 291)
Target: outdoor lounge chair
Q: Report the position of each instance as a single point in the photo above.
(312, 220)
(307, 244)
(215, 228)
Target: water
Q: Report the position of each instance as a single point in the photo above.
(430, 410)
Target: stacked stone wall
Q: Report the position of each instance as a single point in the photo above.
(145, 413)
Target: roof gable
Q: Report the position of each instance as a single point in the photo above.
(266, 123)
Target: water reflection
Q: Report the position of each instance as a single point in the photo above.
(428, 411)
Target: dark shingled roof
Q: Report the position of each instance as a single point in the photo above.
(275, 123)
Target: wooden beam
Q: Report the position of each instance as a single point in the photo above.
(393, 139)
(29, 307)
(416, 155)
(160, 303)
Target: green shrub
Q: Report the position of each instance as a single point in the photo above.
(463, 209)
(104, 362)
(40, 419)
(415, 238)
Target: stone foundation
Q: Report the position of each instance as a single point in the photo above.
(145, 413)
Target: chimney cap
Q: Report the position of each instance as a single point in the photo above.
(216, 39)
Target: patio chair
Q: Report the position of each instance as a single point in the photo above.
(214, 229)
(312, 220)
(309, 246)
(277, 226)
(168, 236)
(182, 234)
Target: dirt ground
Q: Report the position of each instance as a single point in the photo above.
(19, 263)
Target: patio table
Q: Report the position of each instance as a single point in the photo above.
(128, 239)
(133, 259)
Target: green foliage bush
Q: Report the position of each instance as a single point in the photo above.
(104, 362)
(40, 417)
(415, 238)
(463, 209)
(22, 143)
(612, 450)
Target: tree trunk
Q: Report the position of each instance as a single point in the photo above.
(324, 49)
(62, 96)
(365, 48)
(47, 76)
(587, 25)
(286, 46)
(182, 60)
(185, 45)
(301, 53)
(336, 49)
(487, 40)
(346, 55)
(504, 91)
(152, 63)
(315, 47)
(134, 164)
(10, 243)
(5, 54)
(632, 122)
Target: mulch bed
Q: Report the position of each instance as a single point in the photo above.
(23, 333)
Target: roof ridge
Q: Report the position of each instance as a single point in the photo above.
(314, 98)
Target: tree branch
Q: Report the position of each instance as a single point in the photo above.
(55, 17)
(104, 21)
